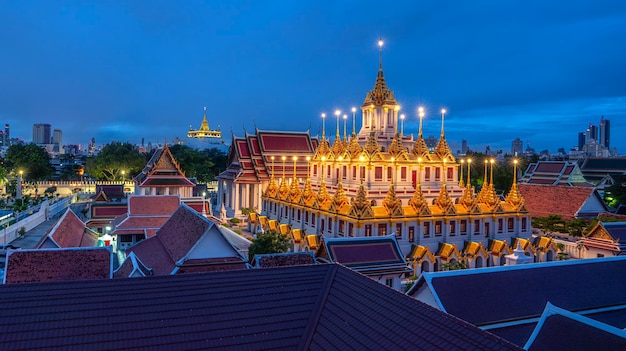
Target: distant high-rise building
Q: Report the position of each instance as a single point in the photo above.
(57, 140)
(6, 136)
(591, 133)
(517, 147)
(464, 148)
(41, 133)
(605, 133)
(91, 148)
(582, 139)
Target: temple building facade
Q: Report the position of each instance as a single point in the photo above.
(379, 182)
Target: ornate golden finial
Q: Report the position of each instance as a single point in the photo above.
(442, 149)
(360, 206)
(461, 175)
(485, 188)
(443, 200)
(272, 187)
(345, 132)
(392, 204)
(515, 197)
(354, 121)
(380, 47)
(380, 95)
(420, 149)
(417, 201)
(322, 195)
(469, 169)
(397, 148)
(340, 198)
(354, 149)
(323, 126)
(371, 145)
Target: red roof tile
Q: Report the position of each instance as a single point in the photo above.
(545, 200)
(549, 167)
(69, 231)
(42, 265)
(153, 204)
(276, 142)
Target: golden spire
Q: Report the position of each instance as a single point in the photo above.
(354, 149)
(380, 94)
(272, 187)
(391, 203)
(354, 121)
(515, 197)
(485, 187)
(442, 149)
(337, 145)
(461, 175)
(420, 149)
(322, 195)
(360, 206)
(294, 192)
(283, 190)
(371, 145)
(340, 197)
(443, 200)
(345, 132)
(205, 123)
(397, 148)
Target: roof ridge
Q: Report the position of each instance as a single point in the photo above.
(311, 326)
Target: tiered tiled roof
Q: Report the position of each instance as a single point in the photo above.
(69, 231)
(162, 170)
(554, 173)
(132, 267)
(610, 236)
(188, 236)
(250, 157)
(595, 169)
(42, 265)
(568, 202)
(146, 214)
(310, 307)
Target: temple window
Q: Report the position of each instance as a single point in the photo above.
(350, 229)
(437, 173)
(298, 215)
(337, 173)
(313, 220)
(399, 230)
(341, 224)
(524, 224)
(438, 226)
(330, 225)
(382, 229)
(315, 170)
(500, 225)
(354, 172)
(509, 224)
(403, 173)
(368, 230)
(306, 217)
(378, 173)
(463, 226)
(426, 229)
(487, 229)
(452, 228)
(389, 173)
(328, 171)
(323, 225)
(476, 226)
(345, 172)
(450, 173)
(362, 172)
(427, 174)
(411, 234)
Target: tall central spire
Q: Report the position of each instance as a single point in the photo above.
(380, 60)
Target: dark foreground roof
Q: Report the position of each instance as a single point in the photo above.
(508, 300)
(559, 329)
(291, 308)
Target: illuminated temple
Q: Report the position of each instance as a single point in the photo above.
(204, 131)
(378, 182)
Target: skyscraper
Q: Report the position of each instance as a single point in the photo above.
(464, 147)
(605, 133)
(581, 140)
(41, 133)
(57, 140)
(592, 133)
(517, 147)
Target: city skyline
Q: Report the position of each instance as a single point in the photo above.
(126, 71)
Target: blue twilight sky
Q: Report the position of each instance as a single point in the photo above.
(123, 70)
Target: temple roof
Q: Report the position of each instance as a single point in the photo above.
(568, 202)
(69, 231)
(307, 307)
(162, 170)
(43, 265)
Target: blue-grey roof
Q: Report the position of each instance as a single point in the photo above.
(559, 329)
(508, 300)
(291, 308)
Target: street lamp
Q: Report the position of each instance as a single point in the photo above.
(123, 175)
(203, 204)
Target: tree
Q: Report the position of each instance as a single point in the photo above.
(268, 242)
(115, 162)
(203, 165)
(615, 195)
(453, 266)
(31, 159)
